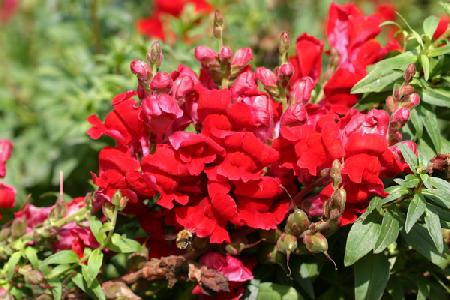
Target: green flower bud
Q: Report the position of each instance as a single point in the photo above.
(335, 173)
(18, 227)
(287, 243)
(4, 233)
(315, 243)
(297, 222)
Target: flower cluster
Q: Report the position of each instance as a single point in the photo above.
(232, 150)
(7, 192)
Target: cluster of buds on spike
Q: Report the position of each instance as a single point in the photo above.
(276, 82)
(334, 207)
(223, 65)
(400, 104)
(144, 70)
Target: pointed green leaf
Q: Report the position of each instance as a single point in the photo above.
(389, 231)
(433, 225)
(61, 257)
(371, 277)
(93, 266)
(409, 156)
(361, 239)
(416, 209)
(417, 122)
(56, 290)
(96, 228)
(432, 127)
(438, 97)
(429, 25)
(419, 239)
(425, 61)
(10, 266)
(31, 255)
(438, 51)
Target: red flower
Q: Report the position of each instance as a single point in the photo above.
(7, 9)
(442, 27)
(152, 26)
(7, 196)
(195, 150)
(33, 215)
(308, 60)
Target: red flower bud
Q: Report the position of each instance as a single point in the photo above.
(285, 70)
(266, 77)
(225, 53)
(413, 101)
(241, 58)
(391, 104)
(205, 54)
(161, 81)
(401, 115)
(302, 89)
(140, 69)
(409, 72)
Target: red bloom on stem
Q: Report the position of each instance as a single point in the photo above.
(308, 60)
(7, 192)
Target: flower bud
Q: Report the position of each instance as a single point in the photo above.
(241, 59)
(284, 47)
(59, 210)
(401, 115)
(413, 101)
(18, 227)
(297, 222)
(391, 104)
(287, 243)
(409, 72)
(315, 243)
(285, 70)
(161, 81)
(140, 69)
(218, 24)
(302, 89)
(206, 56)
(335, 173)
(225, 54)
(155, 56)
(440, 166)
(266, 77)
(406, 90)
(4, 233)
(118, 290)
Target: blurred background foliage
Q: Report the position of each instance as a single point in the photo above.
(61, 61)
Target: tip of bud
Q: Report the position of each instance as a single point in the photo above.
(409, 72)
(218, 24)
(155, 55)
(315, 243)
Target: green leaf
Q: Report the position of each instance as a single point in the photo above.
(58, 270)
(429, 25)
(433, 225)
(419, 239)
(56, 290)
(432, 127)
(122, 244)
(425, 61)
(361, 239)
(10, 266)
(417, 122)
(409, 156)
(441, 184)
(438, 97)
(95, 291)
(93, 266)
(384, 73)
(433, 52)
(273, 291)
(96, 228)
(416, 208)
(389, 231)
(61, 257)
(423, 289)
(371, 277)
(437, 196)
(31, 255)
